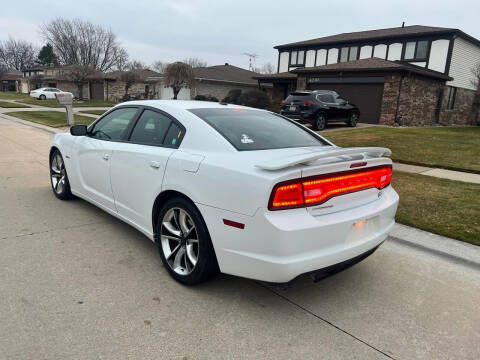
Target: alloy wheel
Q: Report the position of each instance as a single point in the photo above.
(58, 174)
(320, 122)
(179, 241)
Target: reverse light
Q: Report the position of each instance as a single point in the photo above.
(318, 189)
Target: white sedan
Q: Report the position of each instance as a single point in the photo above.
(46, 93)
(227, 188)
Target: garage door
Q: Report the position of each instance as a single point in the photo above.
(368, 97)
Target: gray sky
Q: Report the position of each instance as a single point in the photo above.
(221, 31)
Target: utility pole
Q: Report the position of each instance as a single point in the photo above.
(251, 60)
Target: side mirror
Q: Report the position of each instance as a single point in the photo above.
(78, 130)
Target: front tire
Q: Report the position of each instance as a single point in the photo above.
(319, 122)
(352, 119)
(184, 243)
(59, 177)
(42, 97)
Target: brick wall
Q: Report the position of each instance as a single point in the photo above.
(71, 87)
(219, 90)
(116, 90)
(459, 115)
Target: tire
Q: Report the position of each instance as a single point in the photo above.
(352, 119)
(319, 122)
(189, 259)
(42, 97)
(59, 177)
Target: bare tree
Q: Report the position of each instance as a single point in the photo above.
(178, 75)
(17, 54)
(78, 42)
(137, 65)
(129, 78)
(122, 59)
(475, 110)
(195, 62)
(79, 75)
(268, 68)
(159, 66)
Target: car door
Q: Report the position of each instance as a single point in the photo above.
(137, 166)
(92, 155)
(49, 93)
(342, 108)
(329, 100)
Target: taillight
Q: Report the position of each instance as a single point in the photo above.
(307, 103)
(318, 189)
(283, 102)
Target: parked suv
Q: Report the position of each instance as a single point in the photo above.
(319, 107)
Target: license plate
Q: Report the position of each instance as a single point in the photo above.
(292, 108)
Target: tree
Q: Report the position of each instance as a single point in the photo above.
(136, 65)
(178, 75)
(78, 42)
(79, 75)
(195, 62)
(474, 115)
(268, 68)
(255, 98)
(46, 56)
(129, 78)
(16, 54)
(159, 66)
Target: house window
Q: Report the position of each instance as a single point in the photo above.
(452, 93)
(348, 53)
(297, 58)
(353, 53)
(416, 50)
(344, 54)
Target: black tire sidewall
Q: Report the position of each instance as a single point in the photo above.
(350, 122)
(42, 97)
(207, 265)
(66, 193)
(315, 124)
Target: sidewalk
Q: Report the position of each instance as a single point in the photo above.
(439, 173)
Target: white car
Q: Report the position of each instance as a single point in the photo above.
(228, 188)
(46, 93)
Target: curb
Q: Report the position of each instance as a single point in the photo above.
(440, 245)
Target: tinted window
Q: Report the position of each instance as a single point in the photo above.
(114, 124)
(344, 54)
(325, 98)
(421, 50)
(410, 50)
(150, 128)
(174, 135)
(249, 129)
(353, 53)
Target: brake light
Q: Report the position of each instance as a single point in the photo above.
(283, 102)
(307, 103)
(318, 189)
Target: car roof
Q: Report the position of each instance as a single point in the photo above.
(182, 104)
(312, 92)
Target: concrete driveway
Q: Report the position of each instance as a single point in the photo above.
(76, 283)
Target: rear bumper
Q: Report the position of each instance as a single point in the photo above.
(299, 116)
(281, 245)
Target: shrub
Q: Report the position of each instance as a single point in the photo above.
(213, 99)
(255, 98)
(200, 98)
(232, 96)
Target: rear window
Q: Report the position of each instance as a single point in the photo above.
(249, 129)
(298, 97)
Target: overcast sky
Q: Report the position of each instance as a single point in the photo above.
(222, 31)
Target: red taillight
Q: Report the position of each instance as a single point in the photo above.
(283, 102)
(307, 103)
(318, 189)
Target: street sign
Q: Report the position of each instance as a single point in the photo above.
(66, 98)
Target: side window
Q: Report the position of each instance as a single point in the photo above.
(150, 128)
(325, 98)
(113, 125)
(174, 136)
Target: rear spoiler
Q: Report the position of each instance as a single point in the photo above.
(285, 162)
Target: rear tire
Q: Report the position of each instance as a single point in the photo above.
(184, 243)
(319, 122)
(42, 97)
(352, 119)
(59, 177)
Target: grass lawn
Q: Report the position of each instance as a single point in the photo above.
(12, 95)
(93, 112)
(454, 148)
(50, 118)
(445, 207)
(54, 103)
(4, 104)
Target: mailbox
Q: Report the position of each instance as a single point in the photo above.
(64, 98)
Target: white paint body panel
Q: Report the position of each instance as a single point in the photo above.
(283, 65)
(36, 93)
(310, 58)
(224, 183)
(465, 55)
(438, 55)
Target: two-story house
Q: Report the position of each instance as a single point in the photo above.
(409, 75)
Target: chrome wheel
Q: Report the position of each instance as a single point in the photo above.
(179, 241)
(58, 174)
(320, 124)
(353, 119)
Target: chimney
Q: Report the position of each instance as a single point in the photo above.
(403, 24)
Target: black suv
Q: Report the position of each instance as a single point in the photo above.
(319, 107)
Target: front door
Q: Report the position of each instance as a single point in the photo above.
(92, 155)
(137, 166)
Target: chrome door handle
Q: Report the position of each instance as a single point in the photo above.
(106, 156)
(155, 164)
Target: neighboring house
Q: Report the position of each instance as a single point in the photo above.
(412, 75)
(94, 88)
(10, 80)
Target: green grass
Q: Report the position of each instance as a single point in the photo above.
(445, 207)
(55, 104)
(93, 112)
(454, 148)
(12, 95)
(5, 104)
(50, 118)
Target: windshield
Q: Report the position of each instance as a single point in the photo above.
(249, 129)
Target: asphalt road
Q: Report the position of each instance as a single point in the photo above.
(76, 283)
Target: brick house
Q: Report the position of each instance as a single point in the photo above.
(412, 75)
(10, 81)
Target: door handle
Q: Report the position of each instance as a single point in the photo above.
(106, 157)
(155, 164)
